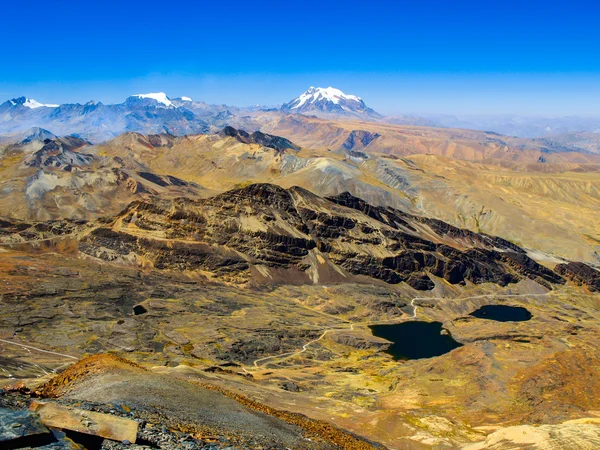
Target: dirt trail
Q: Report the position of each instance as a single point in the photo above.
(29, 347)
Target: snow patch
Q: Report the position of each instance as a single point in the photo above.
(160, 97)
(186, 99)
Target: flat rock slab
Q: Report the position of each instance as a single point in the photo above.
(89, 422)
(18, 424)
(177, 337)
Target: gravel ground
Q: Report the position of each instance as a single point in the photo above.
(151, 435)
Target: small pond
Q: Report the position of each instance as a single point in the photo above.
(139, 309)
(416, 339)
(502, 313)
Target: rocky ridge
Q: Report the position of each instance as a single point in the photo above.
(266, 231)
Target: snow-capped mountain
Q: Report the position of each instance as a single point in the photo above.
(29, 103)
(159, 97)
(144, 113)
(328, 101)
(150, 113)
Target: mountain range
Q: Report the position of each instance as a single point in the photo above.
(157, 113)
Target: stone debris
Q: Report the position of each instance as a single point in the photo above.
(23, 429)
(19, 424)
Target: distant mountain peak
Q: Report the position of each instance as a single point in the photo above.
(30, 103)
(329, 100)
(331, 94)
(186, 99)
(160, 97)
(37, 134)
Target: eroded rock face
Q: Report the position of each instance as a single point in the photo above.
(20, 231)
(279, 229)
(581, 273)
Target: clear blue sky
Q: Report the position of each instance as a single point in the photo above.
(401, 56)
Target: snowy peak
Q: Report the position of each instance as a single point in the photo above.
(30, 103)
(331, 94)
(329, 101)
(159, 97)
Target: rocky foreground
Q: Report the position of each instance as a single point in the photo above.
(107, 402)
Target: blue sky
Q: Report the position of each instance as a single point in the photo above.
(451, 56)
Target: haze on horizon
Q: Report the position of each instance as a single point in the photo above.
(401, 57)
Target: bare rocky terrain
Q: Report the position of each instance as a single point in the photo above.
(221, 289)
(263, 294)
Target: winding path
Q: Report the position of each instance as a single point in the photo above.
(304, 347)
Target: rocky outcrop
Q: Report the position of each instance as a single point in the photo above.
(60, 152)
(359, 139)
(277, 143)
(109, 245)
(22, 426)
(87, 422)
(581, 274)
(13, 231)
(523, 264)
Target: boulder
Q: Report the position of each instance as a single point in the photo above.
(88, 422)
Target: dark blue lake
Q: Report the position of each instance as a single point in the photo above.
(415, 339)
(502, 313)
